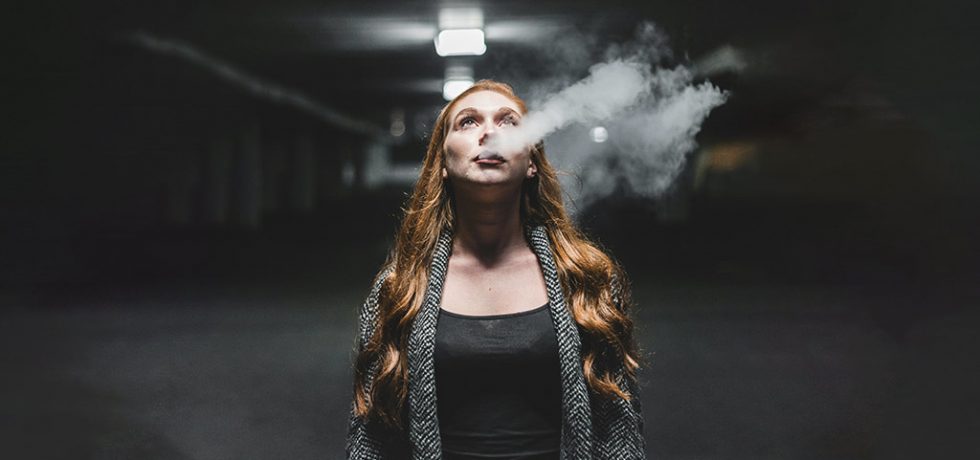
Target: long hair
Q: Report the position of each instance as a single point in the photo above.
(586, 273)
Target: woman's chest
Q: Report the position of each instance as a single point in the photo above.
(476, 291)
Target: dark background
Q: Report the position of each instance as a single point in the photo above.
(181, 260)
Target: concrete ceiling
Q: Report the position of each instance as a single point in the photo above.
(365, 57)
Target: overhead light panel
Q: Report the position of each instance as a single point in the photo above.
(453, 88)
(460, 42)
(460, 18)
(458, 79)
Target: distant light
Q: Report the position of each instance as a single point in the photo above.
(460, 18)
(348, 174)
(460, 42)
(453, 88)
(397, 128)
(459, 77)
(599, 134)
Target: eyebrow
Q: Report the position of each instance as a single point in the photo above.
(472, 111)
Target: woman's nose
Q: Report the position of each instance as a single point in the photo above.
(489, 131)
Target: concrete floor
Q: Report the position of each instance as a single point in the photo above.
(738, 372)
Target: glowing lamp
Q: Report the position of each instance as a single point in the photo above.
(599, 134)
(454, 87)
(460, 42)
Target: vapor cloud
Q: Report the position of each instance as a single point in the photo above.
(650, 111)
(610, 88)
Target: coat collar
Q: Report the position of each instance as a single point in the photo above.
(576, 431)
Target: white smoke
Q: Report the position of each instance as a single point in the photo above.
(609, 88)
(724, 58)
(651, 114)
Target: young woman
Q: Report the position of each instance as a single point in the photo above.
(495, 328)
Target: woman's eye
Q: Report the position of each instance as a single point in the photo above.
(510, 120)
(467, 121)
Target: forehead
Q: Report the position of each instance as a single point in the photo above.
(485, 101)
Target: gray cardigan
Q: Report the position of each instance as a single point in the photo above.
(592, 427)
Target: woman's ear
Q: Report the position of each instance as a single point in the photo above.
(531, 170)
(445, 174)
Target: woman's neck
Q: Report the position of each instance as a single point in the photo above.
(488, 230)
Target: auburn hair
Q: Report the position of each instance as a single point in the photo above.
(586, 273)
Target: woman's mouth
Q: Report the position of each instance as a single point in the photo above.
(489, 157)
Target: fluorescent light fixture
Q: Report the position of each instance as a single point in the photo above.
(460, 42)
(599, 134)
(453, 88)
(459, 77)
(460, 18)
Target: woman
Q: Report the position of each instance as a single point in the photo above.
(534, 355)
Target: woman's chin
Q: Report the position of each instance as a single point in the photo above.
(491, 180)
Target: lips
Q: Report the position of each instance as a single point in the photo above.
(489, 157)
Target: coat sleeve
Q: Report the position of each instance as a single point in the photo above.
(636, 404)
(364, 442)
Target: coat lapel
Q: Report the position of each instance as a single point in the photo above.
(423, 422)
(576, 431)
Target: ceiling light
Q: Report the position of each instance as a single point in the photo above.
(397, 127)
(460, 18)
(599, 134)
(460, 42)
(459, 77)
(453, 88)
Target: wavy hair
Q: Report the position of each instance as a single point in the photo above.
(588, 277)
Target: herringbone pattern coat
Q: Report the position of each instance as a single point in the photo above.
(592, 427)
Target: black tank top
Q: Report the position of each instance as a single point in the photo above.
(498, 387)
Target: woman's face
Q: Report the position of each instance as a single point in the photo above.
(473, 122)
